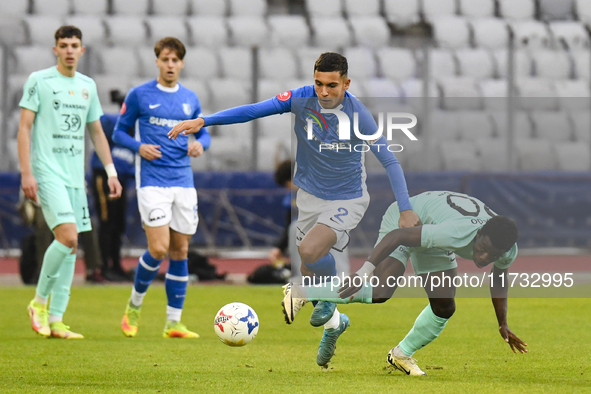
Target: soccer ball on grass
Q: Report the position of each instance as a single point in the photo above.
(236, 324)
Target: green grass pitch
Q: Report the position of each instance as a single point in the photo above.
(469, 356)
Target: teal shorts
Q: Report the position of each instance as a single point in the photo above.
(423, 260)
(63, 204)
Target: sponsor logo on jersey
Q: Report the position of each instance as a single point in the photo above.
(187, 109)
(152, 106)
(163, 122)
(74, 106)
(70, 151)
(32, 92)
(284, 96)
(85, 94)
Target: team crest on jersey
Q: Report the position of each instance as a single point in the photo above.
(187, 109)
(85, 94)
(56, 104)
(284, 96)
(123, 109)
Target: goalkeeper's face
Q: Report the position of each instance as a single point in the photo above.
(330, 88)
(170, 67)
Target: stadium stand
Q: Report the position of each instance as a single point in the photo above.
(209, 8)
(51, 8)
(177, 8)
(126, 30)
(474, 125)
(433, 9)
(556, 10)
(451, 32)
(492, 154)
(517, 9)
(94, 33)
(397, 64)
(362, 8)
(236, 62)
(402, 13)
(460, 93)
(288, 31)
(362, 63)
(491, 33)
(570, 34)
(331, 32)
(571, 156)
(200, 63)
(552, 64)
(535, 155)
(126, 7)
(120, 61)
(14, 8)
(459, 156)
(248, 31)
(370, 31)
(248, 7)
(208, 31)
(477, 8)
(167, 26)
(551, 125)
(277, 63)
(40, 29)
(530, 33)
(325, 8)
(477, 63)
(90, 7)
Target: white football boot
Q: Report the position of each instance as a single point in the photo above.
(404, 363)
(292, 302)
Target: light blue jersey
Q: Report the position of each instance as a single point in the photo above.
(153, 110)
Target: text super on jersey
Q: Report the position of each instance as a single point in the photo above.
(153, 110)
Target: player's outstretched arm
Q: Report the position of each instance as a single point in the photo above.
(186, 127)
(101, 145)
(28, 181)
(499, 293)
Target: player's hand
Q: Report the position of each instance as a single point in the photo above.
(30, 187)
(114, 187)
(512, 339)
(275, 254)
(150, 152)
(186, 127)
(195, 149)
(408, 218)
(349, 289)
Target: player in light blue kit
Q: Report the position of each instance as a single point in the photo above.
(330, 174)
(166, 194)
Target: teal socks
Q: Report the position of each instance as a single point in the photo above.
(54, 257)
(427, 327)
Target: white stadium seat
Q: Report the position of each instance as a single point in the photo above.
(442, 63)
(573, 94)
(556, 10)
(517, 9)
(443, 126)
(236, 62)
(268, 88)
(229, 92)
(167, 26)
(53, 7)
(583, 10)
(551, 125)
(582, 63)
(402, 13)
(248, 7)
(276, 126)
(92, 26)
(362, 8)
(477, 8)
(413, 91)
(120, 60)
(581, 121)
(379, 88)
(475, 125)
(107, 82)
(477, 63)
(126, 30)
(492, 154)
(277, 63)
(571, 156)
(362, 63)
(147, 59)
(370, 30)
(14, 8)
(229, 153)
(289, 30)
(523, 63)
(42, 28)
(208, 31)
(201, 63)
(552, 64)
(324, 8)
(459, 156)
(90, 7)
(13, 30)
(200, 87)
(178, 8)
(126, 7)
(451, 32)
(536, 93)
(494, 93)
(530, 33)
(437, 8)
(209, 8)
(331, 32)
(33, 58)
(522, 126)
(460, 93)
(248, 30)
(535, 155)
(571, 33)
(491, 33)
(397, 63)
(307, 57)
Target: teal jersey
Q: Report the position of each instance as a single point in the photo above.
(451, 221)
(63, 106)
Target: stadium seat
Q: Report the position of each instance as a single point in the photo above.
(33, 58)
(477, 63)
(12, 30)
(397, 63)
(573, 94)
(90, 7)
(402, 13)
(277, 63)
(208, 31)
(530, 33)
(517, 9)
(236, 62)
(582, 63)
(119, 60)
(571, 156)
(126, 7)
(325, 8)
(248, 7)
(535, 155)
(126, 30)
(536, 93)
(571, 34)
(583, 11)
(492, 154)
(239, 131)
(380, 95)
(370, 30)
(477, 8)
(491, 33)
(229, 153)
(413, 91)
(460, 93)
(105, 83)
(289, 31)
(459, 156)
(433, 9)
(522, 126)
(552, 64)
(229, 92)
(147, 59)
(362, 63)
(201, 8)
(167, 26)
(443, 126)
(551, 10)
(178, 8)
(307, 57)
(442, 63)
(494, 93)
(14, 8)
(523, 63)
(248, 30)
(474, 125)
(268, 88)
(42, 28)
(551, 125)
(581, 121)
(276, 126)
(201, 63)
(362, 8)
(92, 26)
(451, 32)
(15, 90)
(199, 87)
(53, 7)
(330, 32)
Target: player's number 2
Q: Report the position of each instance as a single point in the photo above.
(342, 212)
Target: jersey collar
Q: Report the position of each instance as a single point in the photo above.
(167, 89)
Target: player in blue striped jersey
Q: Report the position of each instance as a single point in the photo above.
(167, 198)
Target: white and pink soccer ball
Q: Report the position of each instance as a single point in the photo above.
(236, 324)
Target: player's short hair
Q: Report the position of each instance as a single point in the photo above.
(67, 31)
(172, 43)
(332, 61)
(283, 173)
(501, 231)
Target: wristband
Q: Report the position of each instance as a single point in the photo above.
(110, 170)
(367, 269)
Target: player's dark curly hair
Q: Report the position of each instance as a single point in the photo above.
(502, 232)
(172, 43)
(332, 61)
(68, 31)
(283, 173)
